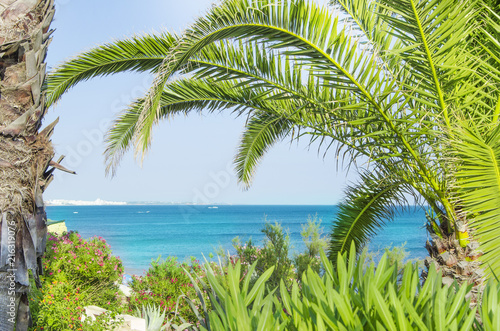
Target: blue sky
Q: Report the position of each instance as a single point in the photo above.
(191, 157)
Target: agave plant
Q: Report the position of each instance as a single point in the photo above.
(410, 86)
(155, 318)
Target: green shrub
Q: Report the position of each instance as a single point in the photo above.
(275, 253)
(59, 306)
(69, 257)
(315, 242)
(77, 273)
(165, 281)
(240, 306)
(354, 297)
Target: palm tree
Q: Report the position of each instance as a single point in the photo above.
(402, 84)
(25, 153)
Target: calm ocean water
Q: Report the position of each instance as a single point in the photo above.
(140, 233)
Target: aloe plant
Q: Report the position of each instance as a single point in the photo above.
(352, 297)
(155, 317)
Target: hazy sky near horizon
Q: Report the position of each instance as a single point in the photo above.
(191, 157)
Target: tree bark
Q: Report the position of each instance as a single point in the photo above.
(25, 153)
(456, 255)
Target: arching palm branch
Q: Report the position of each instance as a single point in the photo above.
(394, 86)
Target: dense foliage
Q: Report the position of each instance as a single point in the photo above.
(347, 296)
(77, 273)
(354, 294)
(277, 252)
(168, 283)
(164, 285)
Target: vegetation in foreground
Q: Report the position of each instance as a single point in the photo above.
(77, 273)
(258, 288)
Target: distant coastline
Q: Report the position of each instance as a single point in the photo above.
(96, 202)
(100, 202)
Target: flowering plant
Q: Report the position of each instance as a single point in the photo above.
(165, 281)
(58, 307)
(69, 257)
(77, 273)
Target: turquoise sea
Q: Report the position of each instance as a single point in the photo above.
(140, 233)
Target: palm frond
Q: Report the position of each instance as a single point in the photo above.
(119, 136)
(491, 40)
(139, 53)
(302, 30)
(307, 33)
(478, 177)
(261, 132)
(367, 17)
(434, 35)
(184, 96)
(367, 207)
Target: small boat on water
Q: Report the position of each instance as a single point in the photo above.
(213, 207)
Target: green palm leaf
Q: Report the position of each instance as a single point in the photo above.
(261, 132)
(139, 53)
(276, 23)
(434, 35)
(478, 179)
(365, 210)
(182, 97)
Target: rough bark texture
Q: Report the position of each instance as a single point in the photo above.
(25, 153)
(457, 258)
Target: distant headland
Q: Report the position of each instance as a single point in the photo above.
(100, 202)
(96, 202)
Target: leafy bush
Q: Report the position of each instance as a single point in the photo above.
(315, 242)
(240, 306)
(166, 281)
(354, 297)
(58, 306)
(275, 253)
(348, 296)
(69, 257)
(77, 273)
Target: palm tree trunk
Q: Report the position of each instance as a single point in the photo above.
(456, 254)
(25, 153)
